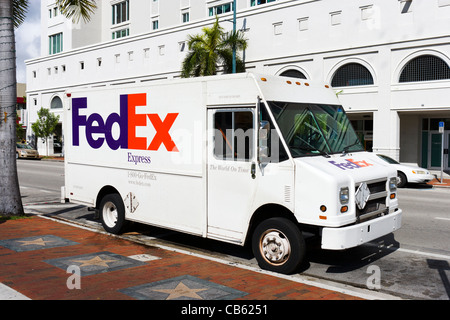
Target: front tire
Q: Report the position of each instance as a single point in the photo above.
(112, 213)
(278, 245)
(402, 180)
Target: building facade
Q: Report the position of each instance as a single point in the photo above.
(388, 61)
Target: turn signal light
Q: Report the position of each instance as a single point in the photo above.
(392, 196)
(344, 209)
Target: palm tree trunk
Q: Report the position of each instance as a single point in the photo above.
(10, 200)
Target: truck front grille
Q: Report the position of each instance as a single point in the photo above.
(376, 204)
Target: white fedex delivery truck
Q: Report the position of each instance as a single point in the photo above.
(239, 158)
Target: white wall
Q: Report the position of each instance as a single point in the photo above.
(315, 37)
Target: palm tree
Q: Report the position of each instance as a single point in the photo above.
(213, 48)
(12, 14)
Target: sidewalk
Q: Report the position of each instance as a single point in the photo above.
(437, 183)
(42, 259)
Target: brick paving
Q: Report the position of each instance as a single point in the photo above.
(35, 254)
(437, 182)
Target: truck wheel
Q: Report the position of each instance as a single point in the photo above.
(112, 213)
(278, 245)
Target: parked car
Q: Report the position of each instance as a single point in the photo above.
(26, 151)
(407, 173)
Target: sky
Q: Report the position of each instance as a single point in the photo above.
(28, 39)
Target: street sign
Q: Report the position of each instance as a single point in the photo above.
(441, 126)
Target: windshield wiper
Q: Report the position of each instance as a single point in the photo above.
(345, 150)
(323, 153)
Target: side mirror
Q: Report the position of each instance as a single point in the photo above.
(264, 134)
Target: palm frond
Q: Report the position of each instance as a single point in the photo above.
(20, 10)
(235, 38)
(77, 9)
(211, 49)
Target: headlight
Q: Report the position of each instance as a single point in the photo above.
(393, 184)
(343, 195)
(418, 172)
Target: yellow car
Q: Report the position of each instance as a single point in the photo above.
(25, 151)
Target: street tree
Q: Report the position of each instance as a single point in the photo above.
(211, 49)
(45, 125)
(12, 14)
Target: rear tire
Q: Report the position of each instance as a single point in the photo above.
(278, 245)
(112, 213)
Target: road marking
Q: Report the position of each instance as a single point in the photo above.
(49, 205)
(40, 189)
(428, 254)
(418, 252)
(439, 218)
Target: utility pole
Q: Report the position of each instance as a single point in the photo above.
(234, 33)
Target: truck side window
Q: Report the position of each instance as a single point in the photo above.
(233, 135)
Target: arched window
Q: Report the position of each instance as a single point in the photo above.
(56, 103)
(352, 74)
(293, 74)
(425, 68)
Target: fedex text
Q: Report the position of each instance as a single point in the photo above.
(351, 164)
(128, 120)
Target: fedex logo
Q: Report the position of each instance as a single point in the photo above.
(351, 164)
(128, 120)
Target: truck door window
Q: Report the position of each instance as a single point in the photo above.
(277, 153)
(233, 135)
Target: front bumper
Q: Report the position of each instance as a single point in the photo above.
(355, 235)
(421, 178)
(28, 155)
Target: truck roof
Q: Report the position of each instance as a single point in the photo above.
(268, 87)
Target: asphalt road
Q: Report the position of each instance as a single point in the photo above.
(412, 263)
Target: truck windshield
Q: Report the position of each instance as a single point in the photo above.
(315, 129)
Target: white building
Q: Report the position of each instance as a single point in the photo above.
(389, 60)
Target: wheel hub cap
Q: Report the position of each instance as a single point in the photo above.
(110, 214)
(275, 247)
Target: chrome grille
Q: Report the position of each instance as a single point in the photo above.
(376, 204)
